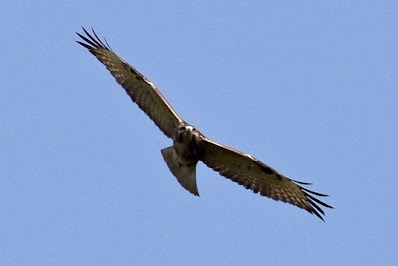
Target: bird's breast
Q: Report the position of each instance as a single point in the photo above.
(187, 151)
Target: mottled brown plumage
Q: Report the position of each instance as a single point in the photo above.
(190, 146)
(139, 88)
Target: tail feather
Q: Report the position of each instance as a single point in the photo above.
(185, 174)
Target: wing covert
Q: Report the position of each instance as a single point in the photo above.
(259, 177)
(142, 91)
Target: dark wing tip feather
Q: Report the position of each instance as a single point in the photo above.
(98, 39)
(85, 45)
(313, 192)
(92, 42)
(107, 44)
(313, 211)
(300, 182)
(313, 202)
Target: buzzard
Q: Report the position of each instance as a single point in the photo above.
(190, 146)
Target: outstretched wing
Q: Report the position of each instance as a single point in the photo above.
(140, 89)
(257, 176)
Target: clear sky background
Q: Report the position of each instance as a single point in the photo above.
(309, 88)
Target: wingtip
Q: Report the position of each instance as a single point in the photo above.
(316, 213)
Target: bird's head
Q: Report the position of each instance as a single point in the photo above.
(186, 134)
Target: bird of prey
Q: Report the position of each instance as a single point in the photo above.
(190, 146)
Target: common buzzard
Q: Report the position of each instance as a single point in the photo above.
(190, 146)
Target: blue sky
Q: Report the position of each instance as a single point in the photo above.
(309, 88)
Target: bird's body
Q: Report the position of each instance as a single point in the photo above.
(182, 157)
(190, 146)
